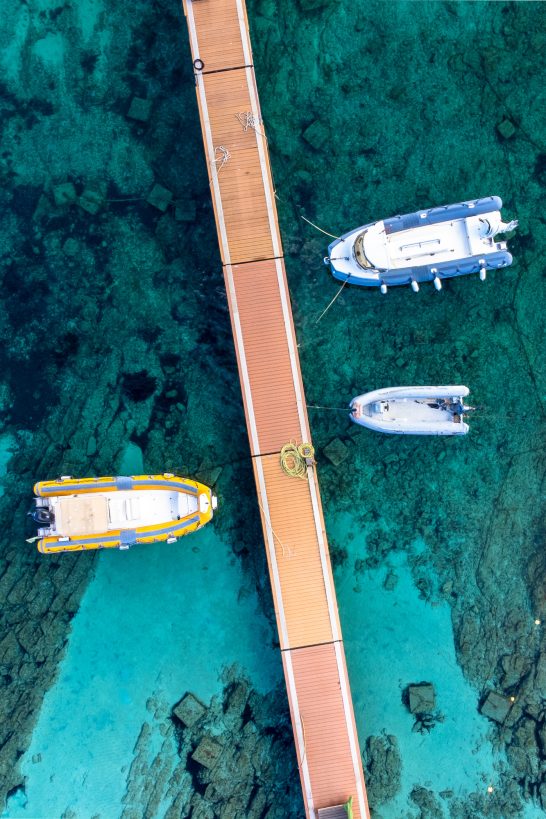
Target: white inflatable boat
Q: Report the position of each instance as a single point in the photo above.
(413, 410)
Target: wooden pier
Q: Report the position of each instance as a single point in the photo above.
(297, 550)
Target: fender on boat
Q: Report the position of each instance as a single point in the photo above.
(400, 428)
(71, 486)
(447, 270)
(411, 392)
(444, 213)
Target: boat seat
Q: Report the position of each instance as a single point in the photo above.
(82, 514)
(131, 508)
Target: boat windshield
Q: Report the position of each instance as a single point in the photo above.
(360, 256)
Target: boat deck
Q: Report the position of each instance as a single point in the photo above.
(297, 551)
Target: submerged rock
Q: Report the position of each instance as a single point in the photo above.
(71, 247)
(185, 211)
(235, 703)
(140, 109)
(207, 752)
(189, 710)
(506, 128)
(427, 803)
(64, 194)
(336, 451)
(496, 706)
(317, 134)
(236, 758)
(383, 766)
(421, 698)
(159, 197)
(91, 201)
(391, 581)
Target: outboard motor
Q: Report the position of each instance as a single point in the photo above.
(43, 516)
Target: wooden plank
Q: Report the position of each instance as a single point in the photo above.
(238, 168)
(220, 39)
(334, 767)
(297, 551)
(303, 594)
(256, 298)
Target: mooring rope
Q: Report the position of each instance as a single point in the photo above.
(334, 409)
(275, 535)
(296, 458)
(304, 743)
(221, 160)
(248, 120)
(309, 222)
(333, 300)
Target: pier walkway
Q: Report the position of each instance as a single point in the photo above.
(297, 551)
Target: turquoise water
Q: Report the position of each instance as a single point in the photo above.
(146, 627)
(117, 346)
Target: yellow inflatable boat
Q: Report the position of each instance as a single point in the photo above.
(116, 513)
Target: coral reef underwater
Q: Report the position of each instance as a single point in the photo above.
(115, 329)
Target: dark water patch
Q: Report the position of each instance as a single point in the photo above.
(150, 334)
(56, 221)
(16, 790)
(25, 295)
(170, 361)
(540, 168)
(24, 200)
(33, 391)
(338, 554)
(138, 386)
(66, 347)
(88, 61)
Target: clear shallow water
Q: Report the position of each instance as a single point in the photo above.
(410, 110)
(157, 624)
(394, 638)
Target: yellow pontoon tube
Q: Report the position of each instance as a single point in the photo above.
(116, 513)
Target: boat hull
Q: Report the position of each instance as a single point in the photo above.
(202, 510)
(476, 256)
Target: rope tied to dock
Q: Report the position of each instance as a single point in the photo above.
(296, 458)
(221, 156)
(284, 548)
(248, 120)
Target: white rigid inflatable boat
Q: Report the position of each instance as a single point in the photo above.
(413, 410)
(429, 245)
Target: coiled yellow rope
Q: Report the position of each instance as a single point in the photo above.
(296, 458)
